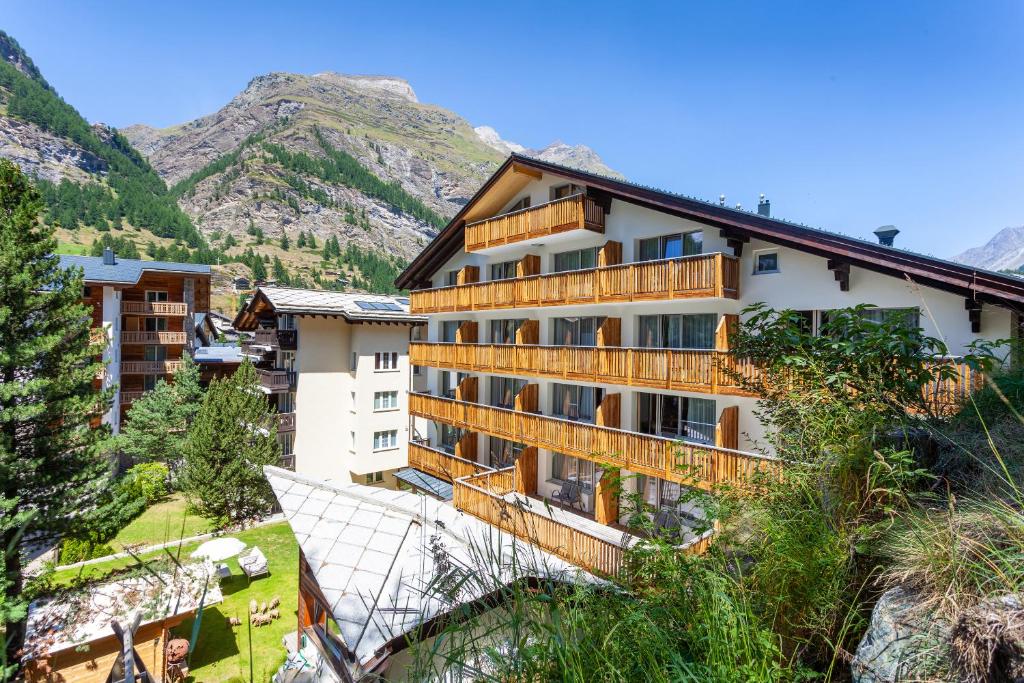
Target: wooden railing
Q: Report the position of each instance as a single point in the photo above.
(706, 275)
(153, 308)
(149, 367)
(947, 394)
(286, 422)
(274, 338)
(702, 370)
(692, 464)
(130, 396)
(578, 212)
(135, 337)
(442, 464)
(274, 380)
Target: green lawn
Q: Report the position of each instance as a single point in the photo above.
(165, 521)
(222, 652)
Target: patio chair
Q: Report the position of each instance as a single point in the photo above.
(254, 563)
(570, 494)
(667, 523)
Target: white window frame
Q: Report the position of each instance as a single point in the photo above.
(381, 402)
(374, 478)
(386, 440)
(767, 252)
(385, 361)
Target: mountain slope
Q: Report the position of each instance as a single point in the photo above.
(1005, 251)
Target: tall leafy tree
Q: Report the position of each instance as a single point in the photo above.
(158, 423)
(51, 468)
(233, 437)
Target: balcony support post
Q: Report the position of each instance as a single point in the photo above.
(606, 496)
(526, 471)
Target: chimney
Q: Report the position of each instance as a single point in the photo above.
(886, 234)
(764, 207)
(108, 257)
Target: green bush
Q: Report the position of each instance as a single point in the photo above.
(147, 481)
(78, 549)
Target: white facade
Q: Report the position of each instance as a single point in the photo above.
(352, 423)
(802, 282)
(112, 355)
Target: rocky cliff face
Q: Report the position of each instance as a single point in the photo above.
(1005, 251)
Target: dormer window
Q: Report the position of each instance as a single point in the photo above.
(523, 203)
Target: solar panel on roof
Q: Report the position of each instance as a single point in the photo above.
(378, 306)
(366, 305)
(403, 300)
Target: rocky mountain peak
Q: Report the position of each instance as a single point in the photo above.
(1005, 251)
(13, 53)
(558, 152)
(379, 85)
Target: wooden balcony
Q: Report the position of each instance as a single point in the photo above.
(442, 464)
(128, 397)
(704, 276)
(164, 308)
(692, 464)
(700, 370)
(149, 367)
(274, 381)
(491, 497)
(275, 339)
(166, 338)
(285, 422)
(578, 212)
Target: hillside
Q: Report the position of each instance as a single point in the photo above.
(1005, 251)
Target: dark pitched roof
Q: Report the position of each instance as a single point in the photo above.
(977, 283)
(126, 271)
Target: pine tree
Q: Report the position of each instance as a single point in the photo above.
(311, 240)
(301, 243)
(284, 241)
(158, 423)
(234, 435)
(51, 468)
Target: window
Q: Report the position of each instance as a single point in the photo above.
(690, 331)
(156, 324)
(672, 246)
(153, 296)
(86, 292)
(575, 331)
(450, 330)
(286, 360)
(506, 270)
(328, 631)
(450, 381)
(417, 370)
(504, 391)
(374, 478)
(910, 318)
(286, 321)
(573, 402)
(385, 360)
(577, 259)
(567, 468)
(766, 262)
(504, 331)
(563, 191)
(385, 440)
(385, 400)
(676, 417)
(287, 441)
(502, 453)
(378, 306)
(149, 382)
(450, 437)
(156, 353)
(523, 203)
(286, 402)
(451, 278)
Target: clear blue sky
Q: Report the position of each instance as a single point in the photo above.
(847, 117)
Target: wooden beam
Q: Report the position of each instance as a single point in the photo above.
(973, 308)
(526, 170)
(734, 240)
(602, 198)
(841, 271)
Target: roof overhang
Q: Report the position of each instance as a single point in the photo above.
(974, 283)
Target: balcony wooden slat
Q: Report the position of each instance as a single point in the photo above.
(577, 212)
(442, 464)
(149, 367)
(692, 464)
(154, 308)
(128, 397)
(705, 275)
(166, 338)
(285, 422)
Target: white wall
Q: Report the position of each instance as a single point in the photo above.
(112, 354)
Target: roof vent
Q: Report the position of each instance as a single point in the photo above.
(764, 207)
(721, 200)
(108, 257)
(886, 234)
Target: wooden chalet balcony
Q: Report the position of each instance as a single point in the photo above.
(128, 397)
(701, 370)
(578, 212)
(275, 339)
(285, 422)
(153, 337)
(442, 464)
(692, 464)
(491, 497)
(706, 275)
(275, 380)
(154, 308)
(149, 367)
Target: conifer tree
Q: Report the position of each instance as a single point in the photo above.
(311, 240)
(234, 435)
(301, 242)
(285, 243)
(51, 468)
(157, 424)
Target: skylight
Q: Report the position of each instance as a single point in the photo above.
(378, 306)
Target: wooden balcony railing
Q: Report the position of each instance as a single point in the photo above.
(275, 380)
(128, 397)
(692, 464)
(702, 370)
(441, 463)
(149, 367)
(947, 394)
(276, 339)
(285, 422)
(153, 308)
(133, 337)
(706, 275)
(578, 212)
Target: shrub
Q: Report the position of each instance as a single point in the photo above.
(78, 549)
(147, 481)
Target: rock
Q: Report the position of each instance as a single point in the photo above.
(987, 642)
(903, 642)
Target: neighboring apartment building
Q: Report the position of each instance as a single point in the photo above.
(148, 312)
(343, 358)
(576, 319)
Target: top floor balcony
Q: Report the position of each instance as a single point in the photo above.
(273, 338)
(578, 212)
(162, 308)
(702, 276)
